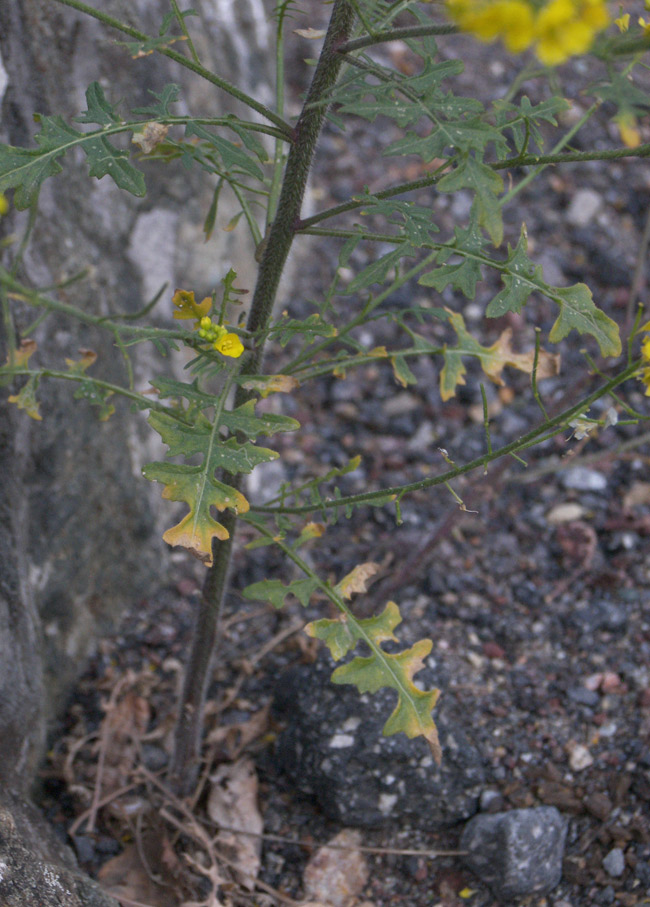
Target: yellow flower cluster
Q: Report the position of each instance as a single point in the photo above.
(222, 341)
(556, 29)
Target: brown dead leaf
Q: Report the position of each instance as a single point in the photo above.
(150, 135)
(232, 804)
(232, 739)
(125, 876)
(356, 580)
(337, 876)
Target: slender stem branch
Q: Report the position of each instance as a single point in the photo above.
(547, 429)
(281, 235)
(209, 76)
(397, 34)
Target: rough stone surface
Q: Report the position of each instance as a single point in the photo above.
(35, 869)
(516, 853)
(333, 749)
(78, 524)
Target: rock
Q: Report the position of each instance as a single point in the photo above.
(337, 874)
(614, 863)
(333, 749)
(584, 206)
(516, 853)
(580, 478)
(27, 877)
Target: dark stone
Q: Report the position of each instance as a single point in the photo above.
(516, 853)
(333, 749)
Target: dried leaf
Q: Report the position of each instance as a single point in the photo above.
(356, 580)
(232, 804)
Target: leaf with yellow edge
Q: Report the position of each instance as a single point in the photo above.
(201, 492)
(356, 580)
(79, 366)
(188, 307)
(309, 531)
(270, 384)
(26, 400)
(21, 355)
(401, 371)
(412, 714)
(493, 358)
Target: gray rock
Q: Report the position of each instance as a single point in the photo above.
(516, 853)
(584, 206)
(333, 749)
(580, 478)
(35, 868)
(614, 863)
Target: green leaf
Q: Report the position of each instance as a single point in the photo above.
(377, 271)
(200, 438)
(414, 221)
(105, 160)
(99, 110)
(412, 714)
(465, 274)
(403, 374)
(520, 277)
(243, 419)
(485, 184)
(233, 158)
(25, 169)
(308, 329)
(169, 95)
(522, 120)
(578, 312)
(275, 592)
(461, 135)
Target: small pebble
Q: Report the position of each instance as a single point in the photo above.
(580, 758)
(580, 478)
(585, 204)
(614, 863)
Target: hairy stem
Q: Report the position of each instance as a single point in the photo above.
(283, 229)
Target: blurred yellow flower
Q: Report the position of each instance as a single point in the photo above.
(4, 205)
(556, 30)
(623, 22)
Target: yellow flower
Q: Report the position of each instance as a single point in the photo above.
(566, 28)
(511, 20)
(229, 345)
(4, 205)
(557, 29)
(627, 127)
(623, 22)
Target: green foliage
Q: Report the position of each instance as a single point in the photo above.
(210, 423)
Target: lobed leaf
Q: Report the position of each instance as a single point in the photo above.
(275, 592)
(485, 183)
(493, 359)
(201, 491)
(412, 714)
